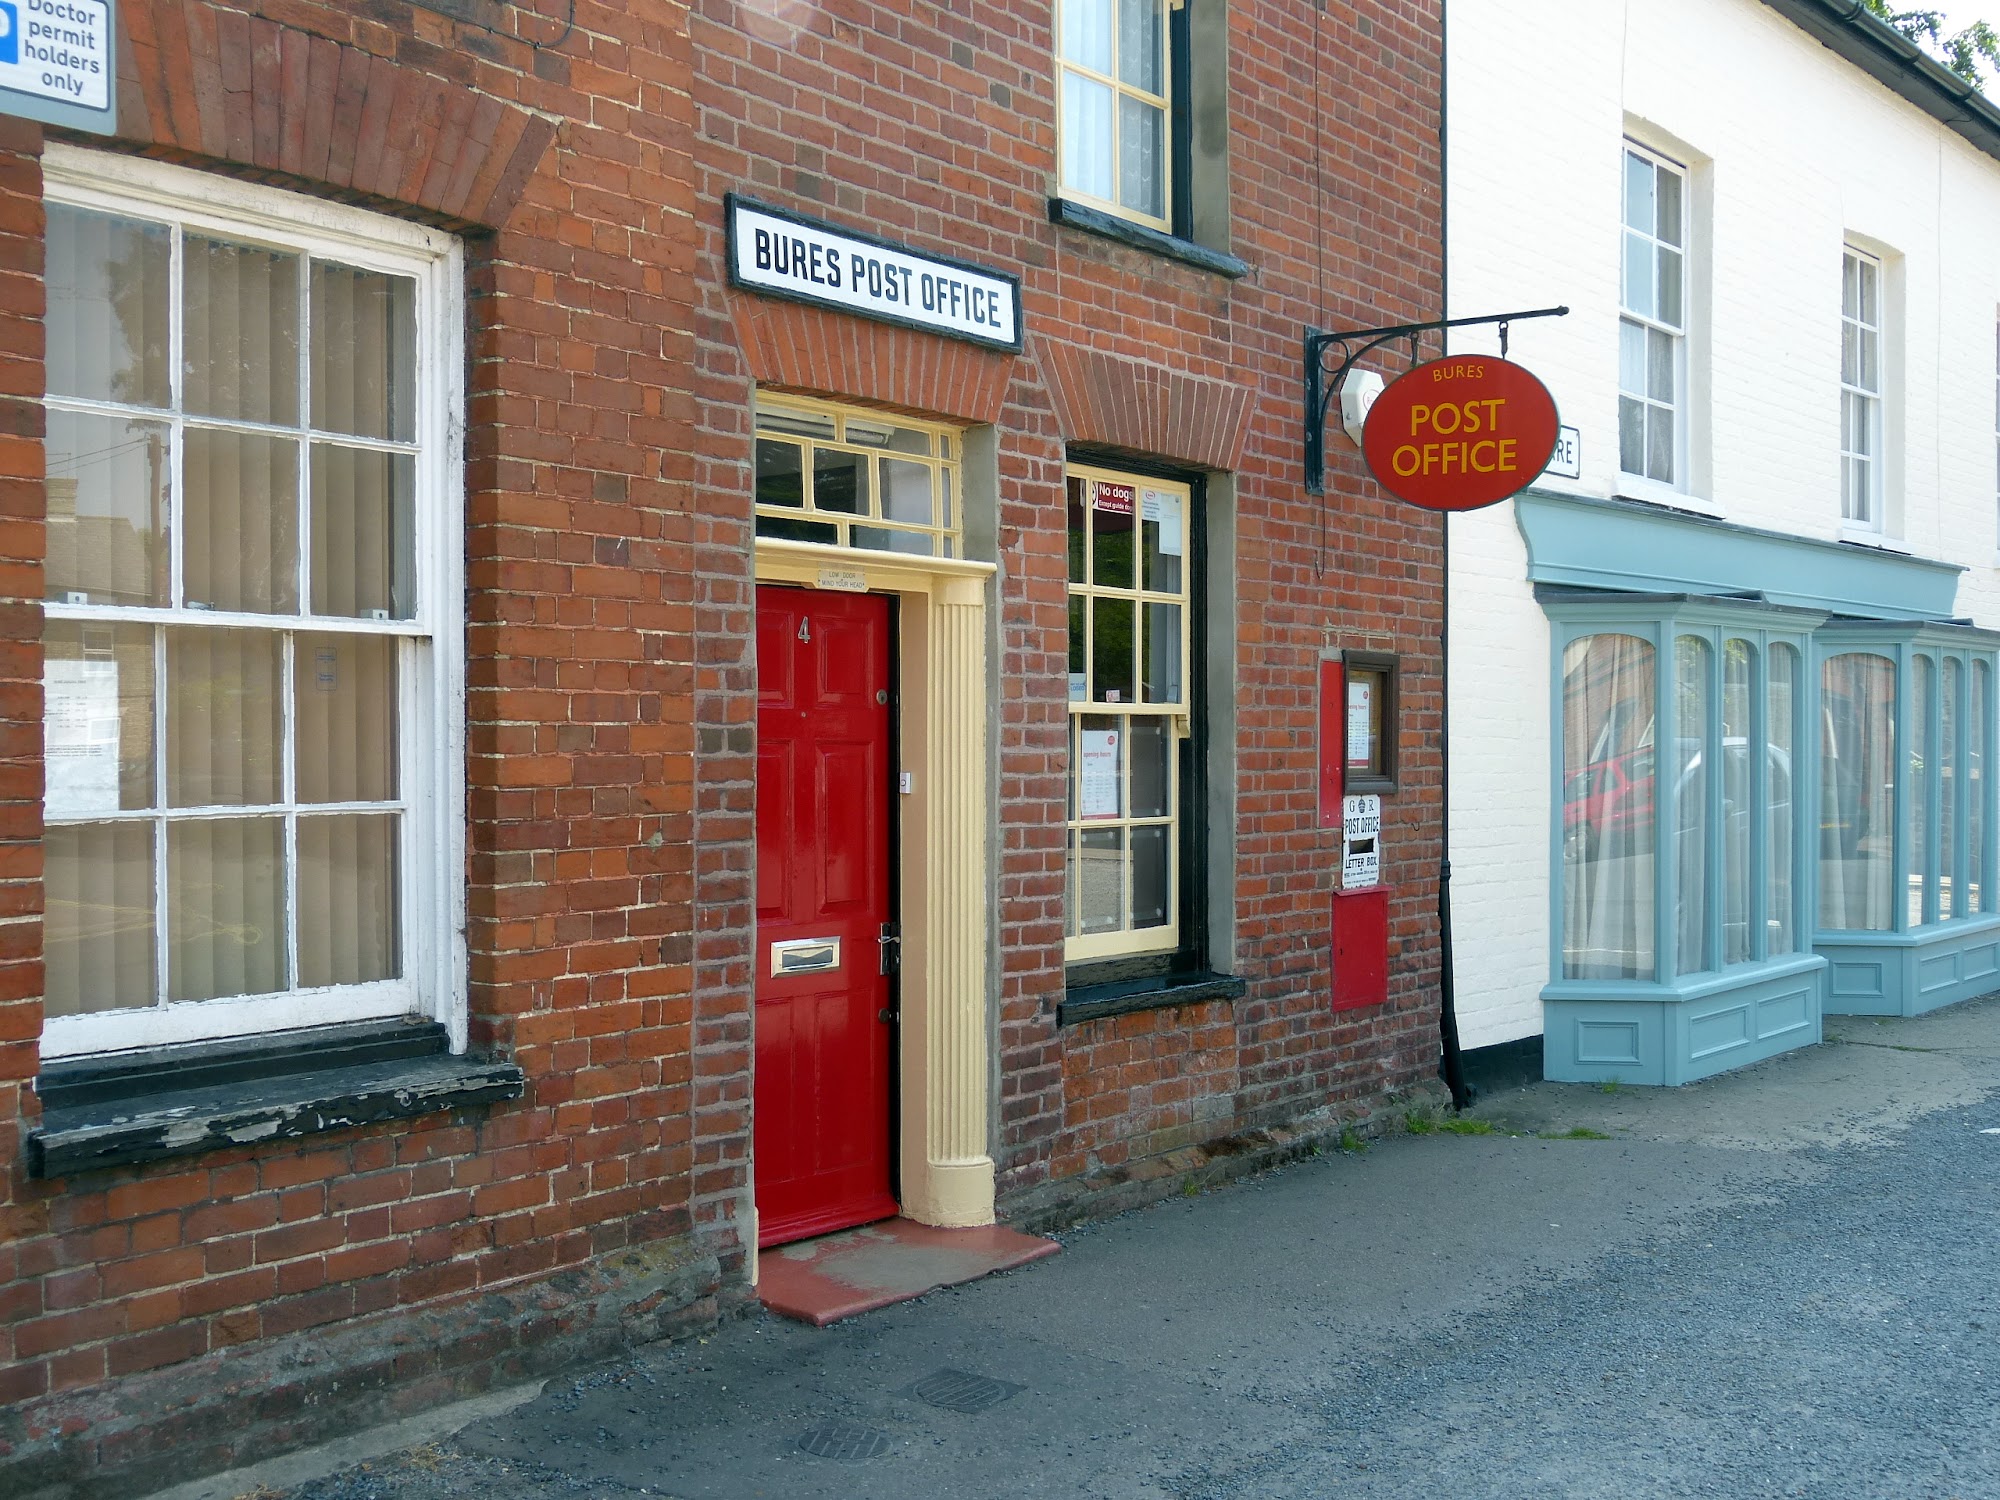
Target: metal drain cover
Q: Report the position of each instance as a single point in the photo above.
(844, 1441)
(956, 1390)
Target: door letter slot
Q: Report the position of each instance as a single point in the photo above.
(805, 956)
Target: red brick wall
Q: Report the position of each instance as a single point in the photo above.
(565, 168)
(937, 126)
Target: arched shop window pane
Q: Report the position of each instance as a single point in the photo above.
(1976, 898)
(1691, 824)
(1739, 671)
(1947, 827)
(1780, 756)
(1857, 791)
(1608, 754)
(1917, 796)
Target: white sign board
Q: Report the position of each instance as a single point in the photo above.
(1567, 460)
(1097, 786)
(1360, 842)
(1163, 509)
(786, 255)
(1360, 747)
(57, 63)
(80, 737)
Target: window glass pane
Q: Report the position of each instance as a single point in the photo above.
(1111, 650)
(1947, 825)
(1638, 193)
(780, 473)
(880, 539)
(1142, 45)
(1976, 898)
(1086, 135)
(364, 545)
(1631, 435)
(906, 492)
(1142, 165)
(1857, 791)
(1850, 369)
(242, 546)
(1739, 663)
(944, 502)
(1670, 286)
(1921, 882)
(364, 352)
(1077, 497)
(1639, 275)
(1871, 367)
(1668, 223)
(225, 907)
(97, 931)
(240, 346)
(1870, 282)
(1086, 32)
(785, 419)
(867, 433)
(1163, 527)
(1780, 719)
(1631, 357)
(97, 718)
(1096, 879)
(1850, 286)
(1660, 443)
(224, 718)
(1660, 381)
(344, 705)
(1608, 775)
(107, 498)
(1111, 543)
(1150, 745)
(108, 307)
(840, 482)
(1079, 647)
(1163, 653)
(1691, 828)
(348, 900)
(1152, 877)
(826, 533)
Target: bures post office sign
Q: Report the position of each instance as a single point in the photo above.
(1460, 433)
(788, 255)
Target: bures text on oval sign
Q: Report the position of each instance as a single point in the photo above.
(1459, 433)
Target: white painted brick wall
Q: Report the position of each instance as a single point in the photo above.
(1793, 150)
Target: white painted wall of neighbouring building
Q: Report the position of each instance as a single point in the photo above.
(1793, 152)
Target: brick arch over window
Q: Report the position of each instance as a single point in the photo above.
(1144, 408)
(804, 348)
(216, 83)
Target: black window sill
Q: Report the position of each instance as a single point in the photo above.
(1095, 1002)
(208, 1096)
(1173, 247)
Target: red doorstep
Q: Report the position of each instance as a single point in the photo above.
(858, 1270)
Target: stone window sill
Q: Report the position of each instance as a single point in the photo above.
(166, 1102)
(1095, 1002)
(1173, 247)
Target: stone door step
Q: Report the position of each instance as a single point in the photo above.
(858, 1270)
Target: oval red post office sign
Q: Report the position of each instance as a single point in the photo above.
(1460, 433)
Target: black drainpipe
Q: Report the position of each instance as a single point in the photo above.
(1451, 1062)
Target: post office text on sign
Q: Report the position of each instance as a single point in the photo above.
(952, 296)
(1445, 436)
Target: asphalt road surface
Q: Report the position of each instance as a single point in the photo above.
(1777, 1283)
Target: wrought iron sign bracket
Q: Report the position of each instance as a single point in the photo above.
(1356, 343)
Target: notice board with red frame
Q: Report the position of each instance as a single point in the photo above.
(1361, 947)
(1332, 740)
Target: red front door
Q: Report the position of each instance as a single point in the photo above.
(822, 1089)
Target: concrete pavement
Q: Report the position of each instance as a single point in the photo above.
(1779, 1281)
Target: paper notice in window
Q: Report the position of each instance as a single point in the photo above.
(1097, 778)
(1358, 746)
(1163, 509)
(80, 737)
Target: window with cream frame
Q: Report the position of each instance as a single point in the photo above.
(851, 477)
(253, 677)
(1130, 607)
(1115, 84)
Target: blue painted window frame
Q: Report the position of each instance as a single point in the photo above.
(1661, 620)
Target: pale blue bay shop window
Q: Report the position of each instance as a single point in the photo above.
(1679, 849)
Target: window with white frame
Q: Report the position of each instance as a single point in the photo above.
(252, 675)
(1652, 327)
(1114, 81)
(1860, 389)
(1130, 579)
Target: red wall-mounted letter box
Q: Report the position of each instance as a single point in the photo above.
(1361, 947)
